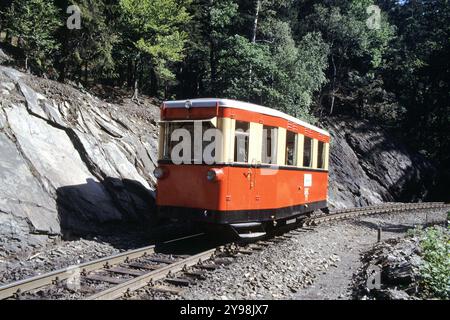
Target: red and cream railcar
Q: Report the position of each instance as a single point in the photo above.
(268, 166)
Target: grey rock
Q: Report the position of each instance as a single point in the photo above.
(382, 170)
(4, 57)
(21, 195)
(3, 121)
(394, 294)
(31, 99)
(52, 114)
(66, 164)
(8, 86)
(10, 74)
(109, 128)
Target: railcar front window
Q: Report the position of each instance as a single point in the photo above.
(307, 152)
(291, 149)
(187, 130)
(241, 134)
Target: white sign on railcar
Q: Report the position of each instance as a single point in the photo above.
(307, 180)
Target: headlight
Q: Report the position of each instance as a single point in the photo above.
(214, 174)
(211, 175)
(159, 173)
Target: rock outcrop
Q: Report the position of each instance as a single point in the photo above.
(70, 161)
(368, 166)
(390, 270)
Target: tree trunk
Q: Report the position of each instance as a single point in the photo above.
(153, 83)
(135, 90)
(136, 82)
(85, 73)
(62, 72)
(212, 54)
(62, 63)
(255, 28)
(255, 21)
(333, 84)
(212, 63)
(130, 73)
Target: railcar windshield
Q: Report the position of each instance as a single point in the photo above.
(187, 140)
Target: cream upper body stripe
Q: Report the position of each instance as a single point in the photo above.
(211, 102)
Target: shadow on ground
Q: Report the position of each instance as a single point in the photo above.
(120, 212)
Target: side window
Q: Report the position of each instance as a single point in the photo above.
(307, 152)
(241, 138)
(321, 155)
(291, 149)
(269, 145)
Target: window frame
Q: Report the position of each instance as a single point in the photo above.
(246, 134)
(273, 144)
(294, 152)
(323, 153)
(311, 150)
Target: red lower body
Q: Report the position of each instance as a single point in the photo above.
(243, 194)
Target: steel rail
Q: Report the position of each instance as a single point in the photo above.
(37, 282)
(148, 278)
(395, 207)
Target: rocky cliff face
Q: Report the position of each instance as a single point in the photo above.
(367, 166)
(70, 161)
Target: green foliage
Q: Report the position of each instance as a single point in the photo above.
(435, 271)
(153, 27)
(221, 14)
(275, 70)
(417, 72)
(90, 48)
(357, 53)
(34, 22)
(299, 74)
(244, 68)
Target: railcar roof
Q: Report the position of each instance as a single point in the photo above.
(211, 102)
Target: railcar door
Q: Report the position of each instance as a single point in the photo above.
(241, 174)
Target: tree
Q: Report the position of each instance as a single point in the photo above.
(418, 72)
(269, 67)
(153, 32)
(87, 52)
(212, 23)
(354, 47)
(300, 66)
(244, 70)
(34, 22)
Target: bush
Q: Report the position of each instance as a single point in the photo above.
(435, 271)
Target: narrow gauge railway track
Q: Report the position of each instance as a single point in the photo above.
(125, 263)
(144, 269)
(377, 209)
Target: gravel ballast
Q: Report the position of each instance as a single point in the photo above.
(313, 264)
(318, 264)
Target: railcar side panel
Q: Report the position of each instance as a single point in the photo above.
(242, 188)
